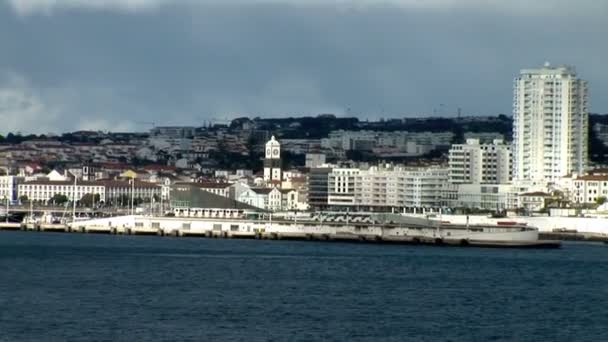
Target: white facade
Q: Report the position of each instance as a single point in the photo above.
(272, 199)
(550, 119)
(8, 187)
(387, 186)
(272, 161)
(485, 196)
(585, 189)
(341, 186)
(477, 163)
(43, 191)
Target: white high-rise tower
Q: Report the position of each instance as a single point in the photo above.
(272, 161)
(550, 121)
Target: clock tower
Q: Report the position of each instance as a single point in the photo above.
(272, 161)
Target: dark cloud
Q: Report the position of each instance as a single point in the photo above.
(183, 64)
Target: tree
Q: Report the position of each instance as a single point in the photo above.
(59, 199)
(23, 199)
(600, 200)
(88, 200)
(123, 200)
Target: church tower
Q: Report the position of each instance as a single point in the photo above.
(272, 161)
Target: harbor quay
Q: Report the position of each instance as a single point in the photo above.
(389, 229)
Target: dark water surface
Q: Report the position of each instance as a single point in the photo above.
(72, 287)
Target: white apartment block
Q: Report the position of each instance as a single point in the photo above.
(400, 187)
(387, 187)
(8, 187)
(475, 163)
(341, 186)
(550, 119)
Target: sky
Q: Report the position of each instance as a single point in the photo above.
(125, 65)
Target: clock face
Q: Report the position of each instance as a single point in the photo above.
(275, 152)
(268, 152)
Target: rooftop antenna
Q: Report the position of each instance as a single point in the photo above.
(459, 112)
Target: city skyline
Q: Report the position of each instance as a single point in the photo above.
(120, 65)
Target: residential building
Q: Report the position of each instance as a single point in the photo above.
(385, 187)
(8, 187)
(550, 119)
(585, 189)
(341, 186)
(477, 163)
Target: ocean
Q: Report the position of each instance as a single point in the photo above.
(81, 287)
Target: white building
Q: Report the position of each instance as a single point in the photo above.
(490, 196)
(383, 187)
(8, 187)
(272, 199)
(108, 190)
(585, 189)
(341, 186)
(477, 163)
(272, 161)
(43, 191)
(550, 119)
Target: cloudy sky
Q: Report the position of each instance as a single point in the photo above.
(123, 64)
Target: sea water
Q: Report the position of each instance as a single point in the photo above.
(81, 287)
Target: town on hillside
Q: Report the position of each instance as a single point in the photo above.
(467, 163)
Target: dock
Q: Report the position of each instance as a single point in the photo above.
(262, 235)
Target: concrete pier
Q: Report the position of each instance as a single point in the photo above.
(237, 229)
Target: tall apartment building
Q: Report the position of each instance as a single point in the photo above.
(550, 119)
(475, 163)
